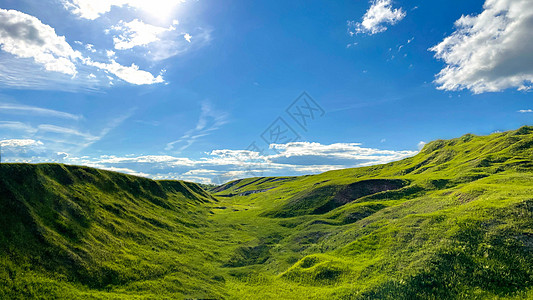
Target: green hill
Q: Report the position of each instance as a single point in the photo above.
(76, 232)
(453, 222)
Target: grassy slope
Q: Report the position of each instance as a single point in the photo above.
(462, 228)
(455, 221)
(77, 232)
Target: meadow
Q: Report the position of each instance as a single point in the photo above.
(453, 222)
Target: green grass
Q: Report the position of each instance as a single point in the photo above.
(453, 222)
(84, 230)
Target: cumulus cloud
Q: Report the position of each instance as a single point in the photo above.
(137, 33)
(291, 159)
(25, 36)
(15, 149)
(377, 18)
(61, 155)
(344, 154)
(131, 74)
(29, 46)
(222, 165)
(491, 51)
(17, 143)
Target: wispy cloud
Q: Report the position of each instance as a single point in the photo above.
(11, 108)
(377, 18)
(137, 33)
(176, 42)
(209, 121)
(24, 73)
(525, 111)
(409, 41)
(17, 126)
(111, 125)
(64, 131)
(93, 9)
(60, 132)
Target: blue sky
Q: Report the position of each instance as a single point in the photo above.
(210, 91)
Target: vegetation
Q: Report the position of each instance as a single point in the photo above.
(453, 222)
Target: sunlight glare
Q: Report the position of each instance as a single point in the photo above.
(161, 9)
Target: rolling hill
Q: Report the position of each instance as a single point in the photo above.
(453, 222)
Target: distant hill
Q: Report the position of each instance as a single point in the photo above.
(453, 222)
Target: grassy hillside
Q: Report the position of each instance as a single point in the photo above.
(76, 232)
(453, 222)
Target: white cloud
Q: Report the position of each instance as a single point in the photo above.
(93, 9)
(24, 150)
(17, 126)
(223, 165)
(155, 42)
(109, 127)
(379, 15)
(90, 47)
(11, 108)
(64, 131)
(25, 36)
(158, 42)
(60, 135)
(62, 155)
(131, 74)
(421, 145)
(137, 33)
(351, 45)
(345, 154)
(175, 43)
(122, 170)
(525, 111)
(491, 51)
(15, 143)
(166, 160)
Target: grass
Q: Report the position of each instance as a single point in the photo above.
(453, 222)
